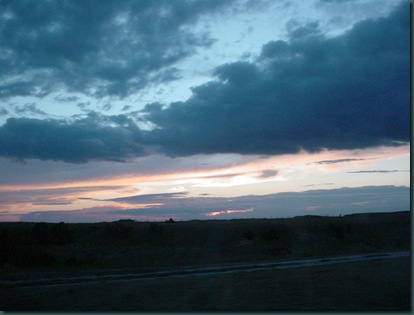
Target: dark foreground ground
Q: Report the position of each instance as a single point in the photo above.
(47, 250)
(363, 286)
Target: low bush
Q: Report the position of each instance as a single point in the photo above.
(27, 257)
(118, 230)
(249, 235)
(271, 235)
(155, 232)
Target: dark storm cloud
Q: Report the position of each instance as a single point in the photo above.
(95, 137)
(311, 92)
(95, 47)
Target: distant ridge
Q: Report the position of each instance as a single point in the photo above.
(404, 212)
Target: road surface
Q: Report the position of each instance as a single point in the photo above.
(201, 271)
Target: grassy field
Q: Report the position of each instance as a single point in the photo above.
(43, 250)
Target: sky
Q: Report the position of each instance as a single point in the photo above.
(203, 109)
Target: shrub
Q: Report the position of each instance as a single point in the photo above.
(61, 234)
(118, 230)
(6, 239)
(279, 251)
(249, 235)
(271, 235)
(26, 257)
(51, 234)
(41, 233)
(155, 232)
(339, 231)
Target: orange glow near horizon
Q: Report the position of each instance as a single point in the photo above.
(216, 213)
(242, 173)
(261, 176)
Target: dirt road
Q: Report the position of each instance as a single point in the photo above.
(200, 271)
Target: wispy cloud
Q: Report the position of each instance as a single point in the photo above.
(24, 199)
(181, 207)
(378, 171)
(324, 184)
(150, 198)
(337, 161)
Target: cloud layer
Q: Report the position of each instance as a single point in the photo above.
(181, 207)
(91, 138)
(94, 47)
(309, 92)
